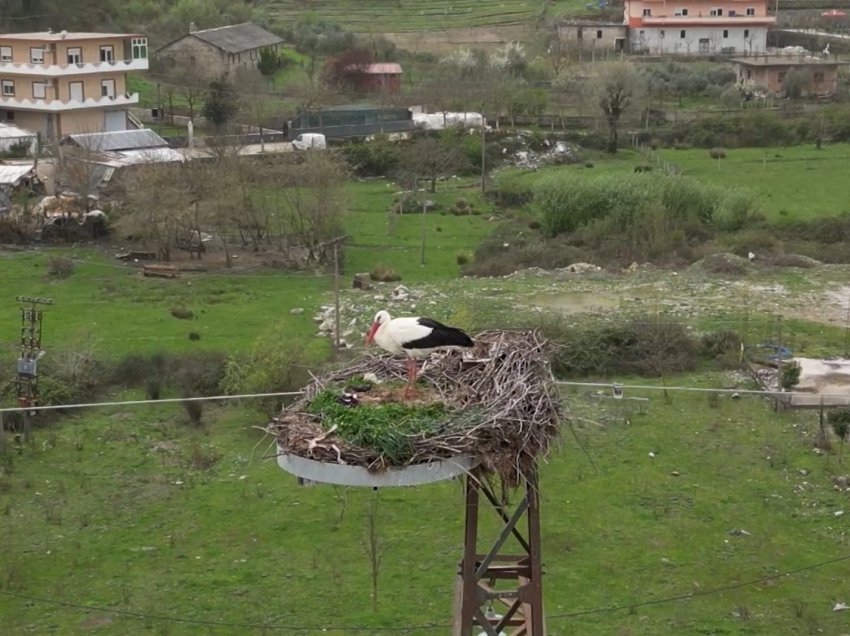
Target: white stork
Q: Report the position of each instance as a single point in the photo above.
(415, 337)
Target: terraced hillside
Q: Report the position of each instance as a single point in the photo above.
(406, 15)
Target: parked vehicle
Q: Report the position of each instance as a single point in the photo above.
(307, 141)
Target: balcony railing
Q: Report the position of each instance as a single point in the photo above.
(59, 105)
(741, 20)
(59, 70)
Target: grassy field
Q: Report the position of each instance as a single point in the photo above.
(793, 183)
(133, 510)
(129, 519)
(377, 15)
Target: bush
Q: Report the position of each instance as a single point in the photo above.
(384, 274)
(274, 365)
(717, 153)
(373, 159)
(194, 410)
(718, 343)
(725, 264)
(462, 259)
(194, 336)
(789, 375)
(644, 348)
(182, 313)
(60, 267)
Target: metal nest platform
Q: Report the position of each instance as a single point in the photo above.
(347, 475)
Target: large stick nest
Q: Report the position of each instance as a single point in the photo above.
(501, 396)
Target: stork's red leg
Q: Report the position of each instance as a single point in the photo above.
(411, 377)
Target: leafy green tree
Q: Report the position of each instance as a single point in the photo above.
(221, 104)
(270, 61)
(840, 422)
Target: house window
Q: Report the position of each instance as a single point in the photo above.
(751, 11)
(5, 53)
(10, 115)
(39, 90)
(746, 33)
(107, 88)
(140, 48)
(75, 91)
(725, 33)
(36, 55)
(715, 12)
(107, 53)
(578, 33)
(684, 12)
(647, 13)
(599, 35)
(75, 55)
(749, 74)
(661, 34)
(780, 76)
(8, 88)
(818, 77)
(682, 34)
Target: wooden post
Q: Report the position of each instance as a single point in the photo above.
(422, 240)
(483, 153)
(336, 294)
(470, 600)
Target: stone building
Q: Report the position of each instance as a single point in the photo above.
(211, 53)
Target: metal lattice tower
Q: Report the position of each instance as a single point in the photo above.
(510, 582)
(26, 381)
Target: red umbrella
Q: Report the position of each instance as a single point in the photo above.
(833, 13)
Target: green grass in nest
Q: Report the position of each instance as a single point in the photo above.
(385, 427)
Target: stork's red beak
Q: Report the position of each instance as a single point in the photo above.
(372, 329)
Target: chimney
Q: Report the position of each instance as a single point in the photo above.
(192, 27)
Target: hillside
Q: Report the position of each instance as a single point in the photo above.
(374, 16)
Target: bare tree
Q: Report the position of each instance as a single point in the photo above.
(312, 203)
(426, 160)
(619, 87)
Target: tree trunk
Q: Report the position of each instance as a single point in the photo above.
(613, 136)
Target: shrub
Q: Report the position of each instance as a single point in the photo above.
(718, 343)
(373, 159)
(462, 259)
(789, 375)
(274, 365)
(182, 313)
(717, 153)
(60, 267)
(194, 410)
(194, 336)
(644, 348)
(384, 274)
(725, 264)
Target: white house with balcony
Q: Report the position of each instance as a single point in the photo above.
(698, 27)
(57, 84)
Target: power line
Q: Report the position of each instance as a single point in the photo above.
(56, 407)
(652, 387)
(709, 592)
(215, 623)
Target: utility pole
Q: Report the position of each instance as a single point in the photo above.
(483, 152)
(336, 294)
(26, 381)
(422, 242)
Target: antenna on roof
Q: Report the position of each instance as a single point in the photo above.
(50, 29)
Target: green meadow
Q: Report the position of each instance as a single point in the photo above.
(130, 519)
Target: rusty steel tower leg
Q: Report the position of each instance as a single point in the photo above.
(501, 593)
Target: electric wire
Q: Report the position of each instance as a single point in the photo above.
(217, 623)
(694, 389)
(64, 407)
(699, 593)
